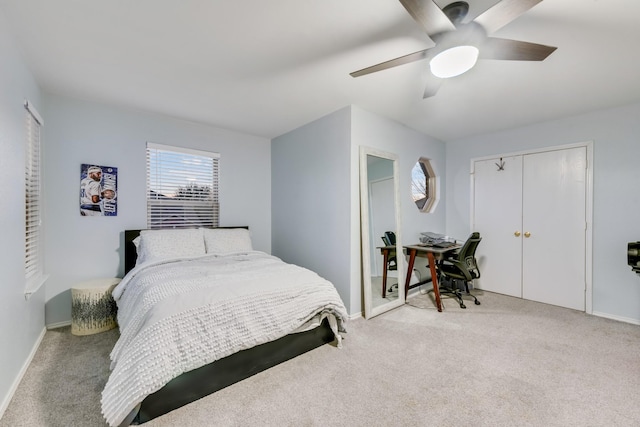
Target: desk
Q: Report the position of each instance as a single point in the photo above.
(387, 252)
(432, 253)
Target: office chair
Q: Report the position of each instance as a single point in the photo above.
(389, 239)
(456, 271)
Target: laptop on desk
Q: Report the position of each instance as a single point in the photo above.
(435, 239)
(443, 245)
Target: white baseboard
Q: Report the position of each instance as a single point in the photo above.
(618, 318)
(25, 366)
(59, 325)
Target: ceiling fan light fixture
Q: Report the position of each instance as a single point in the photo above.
(454, 61)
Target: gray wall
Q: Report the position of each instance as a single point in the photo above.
(320, 229)
(81, 248)
(310, 174)
(384, 134)
(616, 193)
(22, 320)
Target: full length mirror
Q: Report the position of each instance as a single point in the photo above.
(382, 257)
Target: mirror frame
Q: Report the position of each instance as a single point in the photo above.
(366, 242)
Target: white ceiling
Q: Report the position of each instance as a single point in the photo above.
(265, 67)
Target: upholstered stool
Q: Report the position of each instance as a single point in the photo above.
(93, 309)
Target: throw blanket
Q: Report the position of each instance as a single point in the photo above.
(179, 315)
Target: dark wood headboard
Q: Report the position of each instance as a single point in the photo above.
(130, 254)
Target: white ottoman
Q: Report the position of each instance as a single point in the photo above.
(93, 309)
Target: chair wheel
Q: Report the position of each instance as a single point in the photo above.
(463, 306)
(477, 302)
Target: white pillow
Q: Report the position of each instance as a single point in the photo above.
(156, 245)
(225, 240)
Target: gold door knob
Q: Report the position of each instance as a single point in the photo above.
(517, 233)
(527, 234)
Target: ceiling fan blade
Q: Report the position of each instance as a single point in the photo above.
(516, 50)
(426, 13)
(504, 12)
(432, 86)
(412, 57)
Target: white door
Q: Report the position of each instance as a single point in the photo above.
(554, 225)
(382, 212)
(498, 218)
(531, 216)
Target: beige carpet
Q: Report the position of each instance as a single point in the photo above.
(507, 362)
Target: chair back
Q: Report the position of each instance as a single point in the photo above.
(389, 238)
(467, 254)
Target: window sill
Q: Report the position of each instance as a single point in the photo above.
(34, 285)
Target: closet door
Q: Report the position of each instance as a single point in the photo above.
(554, 227)
(497, 216)
(383, 219)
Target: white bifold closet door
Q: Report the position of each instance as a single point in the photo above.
(531, 216)
(498, 217)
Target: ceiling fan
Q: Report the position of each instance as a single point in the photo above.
(459, 45)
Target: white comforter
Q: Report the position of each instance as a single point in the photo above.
(178, 315)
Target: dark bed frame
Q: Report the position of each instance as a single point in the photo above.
(215, 376)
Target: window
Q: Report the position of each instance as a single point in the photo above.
(182, 187)
(33, 202)
(424, 185)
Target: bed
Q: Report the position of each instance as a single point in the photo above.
(199, 309)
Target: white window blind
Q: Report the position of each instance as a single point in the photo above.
(33, 200)
(182, 187)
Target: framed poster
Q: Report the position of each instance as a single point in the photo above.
(98, 190)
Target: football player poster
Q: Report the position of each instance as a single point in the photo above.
(98, 190)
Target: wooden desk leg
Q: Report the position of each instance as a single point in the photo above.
(412, 259)
(434, 279)
(385, 255)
